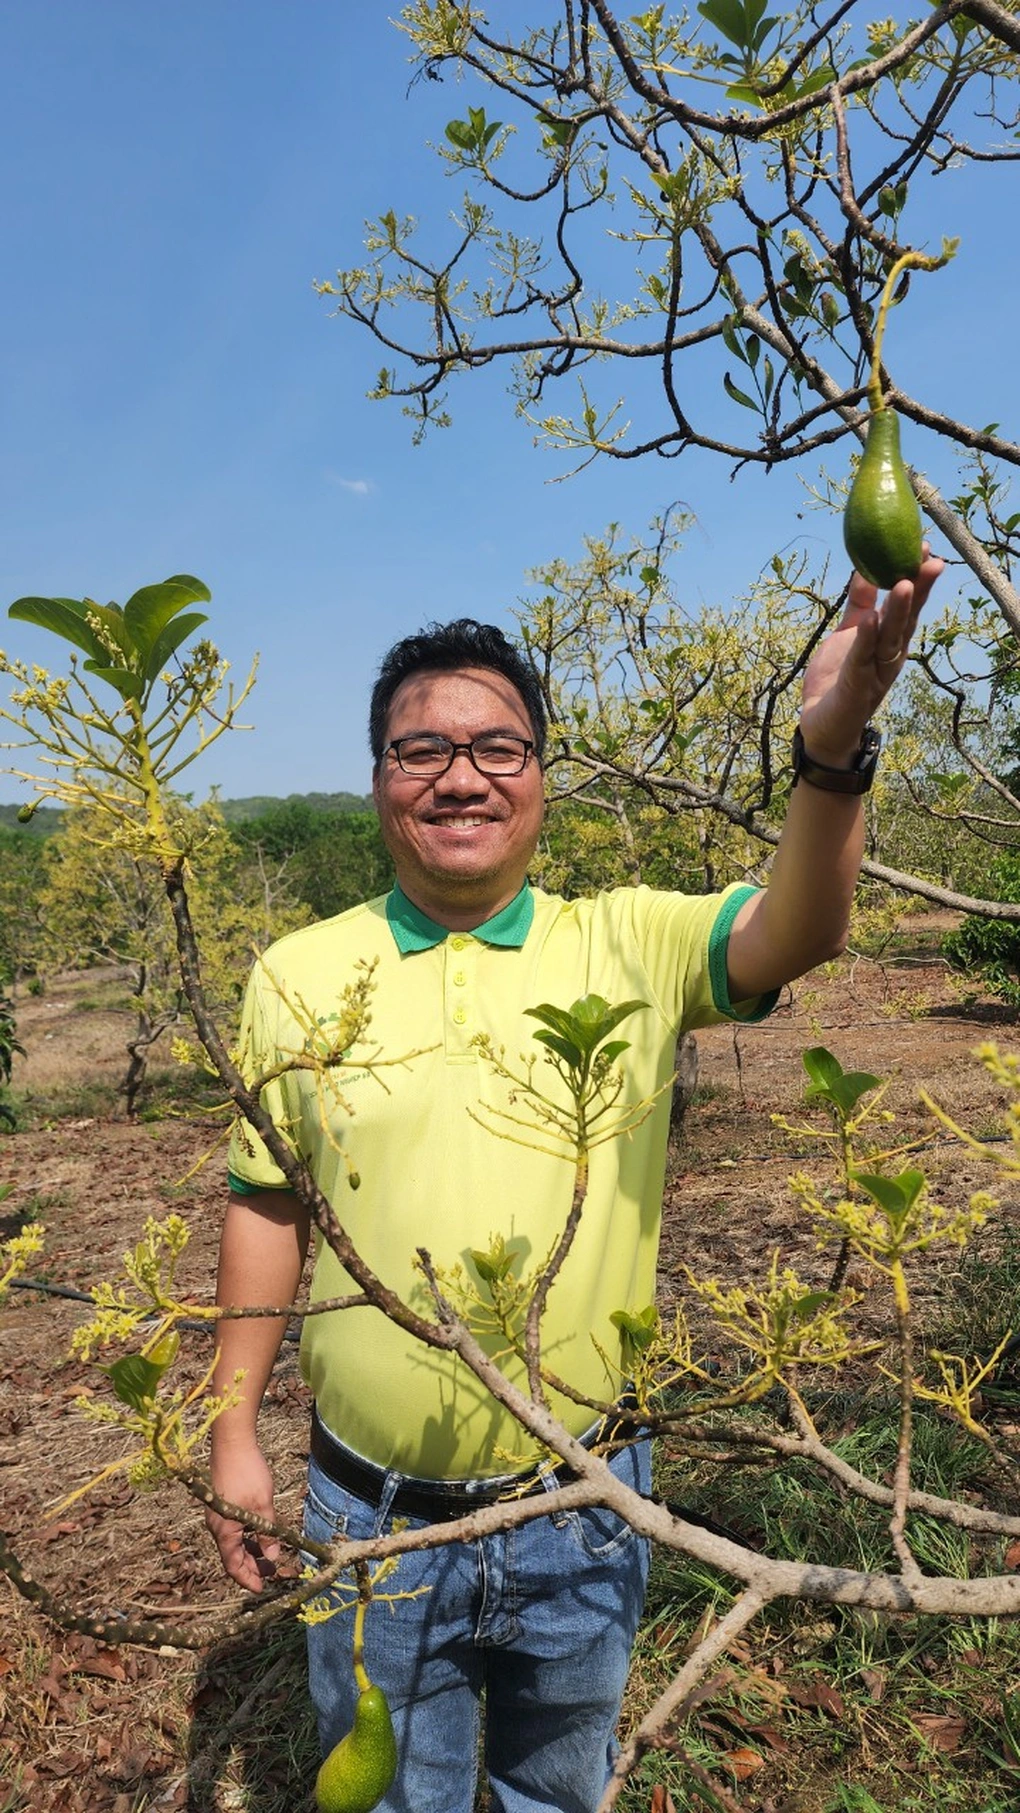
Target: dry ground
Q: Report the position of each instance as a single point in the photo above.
(89, 1730)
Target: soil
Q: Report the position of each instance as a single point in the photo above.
(87, 1729)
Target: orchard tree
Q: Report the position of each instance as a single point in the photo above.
(103, 901)
(21, 875)
(674, 230)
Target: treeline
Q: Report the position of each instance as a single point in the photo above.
(63, 899)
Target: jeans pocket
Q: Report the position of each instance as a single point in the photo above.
(327, 1511)
(598, 1532)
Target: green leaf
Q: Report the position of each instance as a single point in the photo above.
(199, 590)
(822, 1067)
(829, 1081)
(135, 1379)
(64, 617)
(896, 1195)
(566, 1048)
(614, 1049)
(165, 645)
(639, 1329)
(165, 1351)
(148, 611)
(860, 1081)
(730, 340)
(758, 26)
(129, 684)
(810, 1303)
(739, 396)
(593, 1019)
(818, 78)
(460, 134)
(745, 92)
(494, 1264)
(576, 1032)
(557, 132)
(728, 17)
(559, 1018)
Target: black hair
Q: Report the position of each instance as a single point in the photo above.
(462, 643)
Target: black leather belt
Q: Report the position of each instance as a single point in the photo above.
(440, 1501)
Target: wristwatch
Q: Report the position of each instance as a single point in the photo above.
(855, 779)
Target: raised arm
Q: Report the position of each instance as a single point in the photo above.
(262, 1253)
(802, 917)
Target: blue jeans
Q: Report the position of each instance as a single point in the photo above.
(540, 1619)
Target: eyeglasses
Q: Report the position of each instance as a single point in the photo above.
(493, 753)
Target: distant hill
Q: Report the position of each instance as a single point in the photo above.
(48, 819)
(236, 810)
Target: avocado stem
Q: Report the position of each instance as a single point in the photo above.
(359, 1646)
(908, 261)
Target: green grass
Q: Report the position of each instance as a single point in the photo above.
(982, 1301)
(37, 1109)
(171, 1090)
(178, 1089)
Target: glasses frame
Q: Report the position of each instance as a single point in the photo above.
(456, 749)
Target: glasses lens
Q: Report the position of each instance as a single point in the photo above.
(499, 754)
(423, 755)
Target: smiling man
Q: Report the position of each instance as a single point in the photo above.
(538, 1622)
(460, 811)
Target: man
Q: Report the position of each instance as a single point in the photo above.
(538, 1621)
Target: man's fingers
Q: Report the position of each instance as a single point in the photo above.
(247, 1557)
(885, 630)
(263, 1551)
(861, 594)
(903, 607)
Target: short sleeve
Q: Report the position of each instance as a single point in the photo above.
(248, 1162)
(683, 940)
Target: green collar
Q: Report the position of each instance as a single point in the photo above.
(413, 930)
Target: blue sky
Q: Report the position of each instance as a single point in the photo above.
(177, 398)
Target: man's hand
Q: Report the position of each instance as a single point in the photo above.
(850, 672)
(243, 1478)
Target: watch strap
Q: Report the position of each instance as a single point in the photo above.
(856, 779)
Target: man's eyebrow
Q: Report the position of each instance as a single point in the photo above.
(491, 730)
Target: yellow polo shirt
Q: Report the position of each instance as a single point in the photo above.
(433, 1176)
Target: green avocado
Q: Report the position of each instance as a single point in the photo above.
(360, 1768)
(881, 522)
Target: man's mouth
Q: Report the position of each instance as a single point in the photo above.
(463, 821)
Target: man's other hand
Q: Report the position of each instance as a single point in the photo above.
(244, 1479)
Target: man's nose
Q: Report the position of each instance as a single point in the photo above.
(462, 777)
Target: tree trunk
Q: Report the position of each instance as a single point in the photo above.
(685, 1084)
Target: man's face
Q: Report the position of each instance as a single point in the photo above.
(461, 841)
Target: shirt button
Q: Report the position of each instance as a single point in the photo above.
(459, 1015)
(457, 944)
(460, 978)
